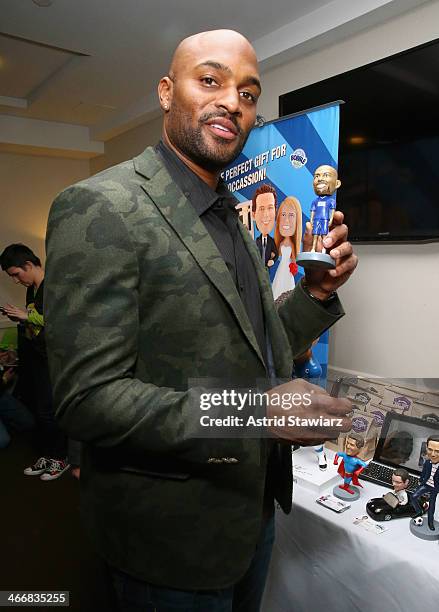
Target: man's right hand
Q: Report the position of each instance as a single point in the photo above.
(326, 416)
(14, 313)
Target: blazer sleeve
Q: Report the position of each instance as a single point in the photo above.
(304, 319)
(92, 332)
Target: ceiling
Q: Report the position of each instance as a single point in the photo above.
(78, 72)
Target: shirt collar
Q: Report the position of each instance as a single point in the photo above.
(199, 193)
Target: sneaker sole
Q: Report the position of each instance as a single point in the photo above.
(34, 473)
(46, 477)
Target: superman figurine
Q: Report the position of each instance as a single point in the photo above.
(350, 467)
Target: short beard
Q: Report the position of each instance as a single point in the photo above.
(191, 143)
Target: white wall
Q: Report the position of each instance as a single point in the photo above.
(392, 325)
(127, 145)
(28, 186)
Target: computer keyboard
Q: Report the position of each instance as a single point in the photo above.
(382, 475)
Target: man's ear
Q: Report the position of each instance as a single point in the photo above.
(337, 183)
(28, 265)
(165, 88)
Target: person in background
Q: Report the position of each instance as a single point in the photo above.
(13, 414)
(24, 267)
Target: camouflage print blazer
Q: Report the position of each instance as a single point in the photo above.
(139, 301)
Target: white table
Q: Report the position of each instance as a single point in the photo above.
(322, 562)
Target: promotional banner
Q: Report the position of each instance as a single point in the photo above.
(273, 181)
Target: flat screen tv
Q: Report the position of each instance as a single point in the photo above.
(389, 144)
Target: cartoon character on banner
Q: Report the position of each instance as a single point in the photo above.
(287, 237)
(264, 213)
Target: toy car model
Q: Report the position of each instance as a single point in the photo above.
(379, 510)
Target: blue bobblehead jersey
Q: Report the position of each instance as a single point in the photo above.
(351, 463)
(322, 207)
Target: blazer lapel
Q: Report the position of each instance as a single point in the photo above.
(180, 214)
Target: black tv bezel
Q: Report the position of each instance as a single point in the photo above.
(376, 238)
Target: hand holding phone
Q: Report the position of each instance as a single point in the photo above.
(13, 313)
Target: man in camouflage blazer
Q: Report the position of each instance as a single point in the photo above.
(140, 301)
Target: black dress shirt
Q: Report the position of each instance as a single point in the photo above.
(216, 210)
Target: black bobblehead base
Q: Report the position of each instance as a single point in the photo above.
(310, 259)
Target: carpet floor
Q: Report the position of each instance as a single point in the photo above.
(42, 542)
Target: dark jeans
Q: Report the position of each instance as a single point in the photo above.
(13, 415)
(423, 490)
(52, 441)
(74, 454)
(136, 596)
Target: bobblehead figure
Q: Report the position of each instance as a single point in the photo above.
(325, 184)
(350, 468)
(428, 485)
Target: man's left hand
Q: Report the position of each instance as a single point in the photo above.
(322, 283)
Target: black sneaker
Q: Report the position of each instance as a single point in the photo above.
(56, 468)
(38, 468)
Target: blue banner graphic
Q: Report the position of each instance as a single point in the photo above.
(273, 181)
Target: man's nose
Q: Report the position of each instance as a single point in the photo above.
(229, 98)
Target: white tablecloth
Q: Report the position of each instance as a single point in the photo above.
(322, 562)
